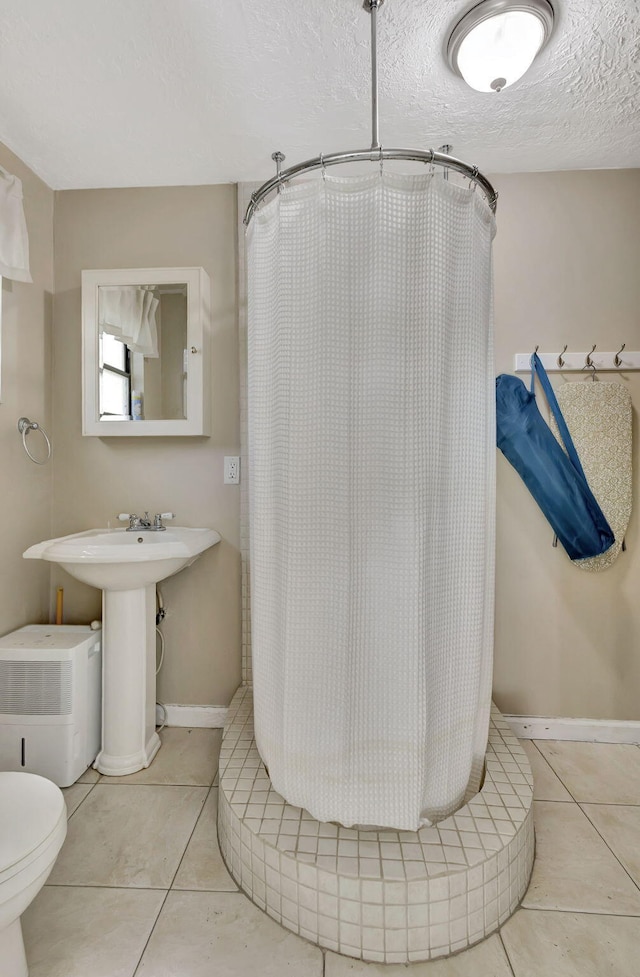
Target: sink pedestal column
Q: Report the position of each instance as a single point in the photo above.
(129, 738)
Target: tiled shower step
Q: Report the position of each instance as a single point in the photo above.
(389, 896)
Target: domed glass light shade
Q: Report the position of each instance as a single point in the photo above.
(496, 42)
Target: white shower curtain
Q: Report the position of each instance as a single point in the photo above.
(371, 463)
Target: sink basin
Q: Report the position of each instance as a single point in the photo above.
(115, 559)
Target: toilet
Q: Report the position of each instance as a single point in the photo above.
(33, 826)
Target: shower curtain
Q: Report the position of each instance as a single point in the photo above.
(371, 467)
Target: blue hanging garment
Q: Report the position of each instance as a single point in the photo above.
(555, 479)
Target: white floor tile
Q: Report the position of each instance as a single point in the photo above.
(187, 757)
(548, 944)
(487, 959)
(74, 796)
(133, 834)
(574, 870)
(90, 776)
(202, 866)
(620, 828)
(128, 836)
(546, 784)
(608, 773)
(222, 934)
(81, 932)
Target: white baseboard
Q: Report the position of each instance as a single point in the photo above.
(206, 717)
(525, 727)
(582, 730)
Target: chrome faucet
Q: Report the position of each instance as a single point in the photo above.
(143, 523)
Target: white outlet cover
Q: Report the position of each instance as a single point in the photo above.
(231, 470)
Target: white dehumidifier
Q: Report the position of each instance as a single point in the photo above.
(50, 700)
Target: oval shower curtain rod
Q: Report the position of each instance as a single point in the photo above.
(376, 152)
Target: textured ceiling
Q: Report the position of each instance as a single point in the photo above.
(107, 93)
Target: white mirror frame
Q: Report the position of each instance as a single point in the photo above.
(198, 284)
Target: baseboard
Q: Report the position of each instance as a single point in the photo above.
(582, 730)
(207, 717)
(524, 727)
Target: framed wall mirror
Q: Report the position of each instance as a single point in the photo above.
(145, 352)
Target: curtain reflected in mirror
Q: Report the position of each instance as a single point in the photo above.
(142, 333)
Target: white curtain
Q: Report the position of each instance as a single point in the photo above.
(128, 313)
(14, 240)
(372, 454)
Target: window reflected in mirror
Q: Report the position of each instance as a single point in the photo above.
(142, 335)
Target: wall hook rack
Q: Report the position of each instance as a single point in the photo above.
(620, 361)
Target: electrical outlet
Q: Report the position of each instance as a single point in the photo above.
(231, 470)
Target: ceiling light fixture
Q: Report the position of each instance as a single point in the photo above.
(496, 42)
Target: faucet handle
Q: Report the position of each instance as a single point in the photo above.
(159, 516)
(124, 516)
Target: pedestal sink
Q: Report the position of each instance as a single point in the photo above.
(126, 566)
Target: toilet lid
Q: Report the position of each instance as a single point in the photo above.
(30, 810)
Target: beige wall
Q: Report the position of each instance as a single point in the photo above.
(567, 255)
(567, 270)
(95, 478)
(25, 488)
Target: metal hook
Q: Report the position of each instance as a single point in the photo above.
(324, 172)
(589, 364)
(536, 350)
(616, 359)
(446, 149)
(380, 158)
(560, 360)
(254, 204)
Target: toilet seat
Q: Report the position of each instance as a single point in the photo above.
(32, 817)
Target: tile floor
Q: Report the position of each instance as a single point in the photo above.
(140, 887)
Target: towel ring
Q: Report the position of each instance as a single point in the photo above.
(24, 426)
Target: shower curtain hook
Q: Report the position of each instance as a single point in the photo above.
(446, 149)
(560, 360)
(381, 158)
(616, 359)
(324, 172)
(256, 204)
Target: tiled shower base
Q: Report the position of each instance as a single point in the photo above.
(389, 896)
